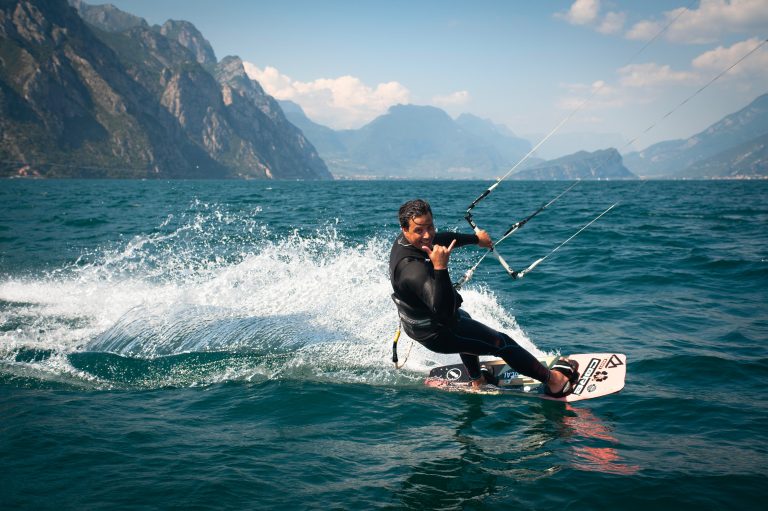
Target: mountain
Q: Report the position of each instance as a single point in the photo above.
(118, 98)
(604, 164)
(563, 144)
(688, 158)
(107, 17)
(411, 141)
(327, 141)
(261, 133)
(187, 35)
(417, 141)
(497, 136)
(748, 160)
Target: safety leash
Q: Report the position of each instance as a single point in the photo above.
(394, 348)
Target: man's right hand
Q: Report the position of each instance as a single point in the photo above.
(439, 255)
(484, 239)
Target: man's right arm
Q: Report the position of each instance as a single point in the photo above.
(481, 238)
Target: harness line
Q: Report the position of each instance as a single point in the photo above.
(394, 348)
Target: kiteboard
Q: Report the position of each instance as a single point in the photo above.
(600, 374)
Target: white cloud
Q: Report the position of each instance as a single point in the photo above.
(646, 30)
(640, 83)
(341, 103)
(274, 83)
(582, 12)
(612, 23)
(651, 74)
(456, 98)
(596, 95)
(587, 12)
(597, 89)
(712, 20)
(721, 58)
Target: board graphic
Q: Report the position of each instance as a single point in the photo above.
(600, 374)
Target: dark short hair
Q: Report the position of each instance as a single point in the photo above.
(412, 209)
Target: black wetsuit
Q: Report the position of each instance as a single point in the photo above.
(430, 313)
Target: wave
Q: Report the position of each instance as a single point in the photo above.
(213, 284)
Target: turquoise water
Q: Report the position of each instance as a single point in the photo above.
(226, 345)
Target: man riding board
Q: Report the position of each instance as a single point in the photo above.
(429, 305)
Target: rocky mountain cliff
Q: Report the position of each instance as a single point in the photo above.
(187, 35)
(604, 164)
(736, 138)
(118, 98)
(107, 17)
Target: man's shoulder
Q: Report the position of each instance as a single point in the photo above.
(402, 248)
(404, 253)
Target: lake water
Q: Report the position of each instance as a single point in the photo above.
(227, 345)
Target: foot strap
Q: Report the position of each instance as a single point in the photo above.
(569, 368)
(490, 378)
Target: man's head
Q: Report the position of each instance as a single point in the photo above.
(417, 224)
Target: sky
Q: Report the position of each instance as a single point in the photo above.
(609, 67)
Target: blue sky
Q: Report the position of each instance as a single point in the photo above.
(524, 64)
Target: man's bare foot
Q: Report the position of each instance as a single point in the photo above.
(476, 384)
(556, 381)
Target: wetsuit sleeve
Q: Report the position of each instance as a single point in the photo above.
(432, 287)
(445, 239)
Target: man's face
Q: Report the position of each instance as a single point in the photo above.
(420, 232)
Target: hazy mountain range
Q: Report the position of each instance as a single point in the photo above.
(92, 91)
(410, 141)
(733, 147)
(425, 142)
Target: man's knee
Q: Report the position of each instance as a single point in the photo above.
(505, 341)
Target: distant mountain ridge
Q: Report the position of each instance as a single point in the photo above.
(564, 143)
(326, 140)
(728, 148)
(412, 141)
(118, 98)
(747, 160)
(423, 142)
(497, 136)
(603, 164)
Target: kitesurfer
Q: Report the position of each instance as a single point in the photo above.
(429, 305)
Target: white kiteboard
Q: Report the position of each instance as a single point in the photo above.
(600, 374)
